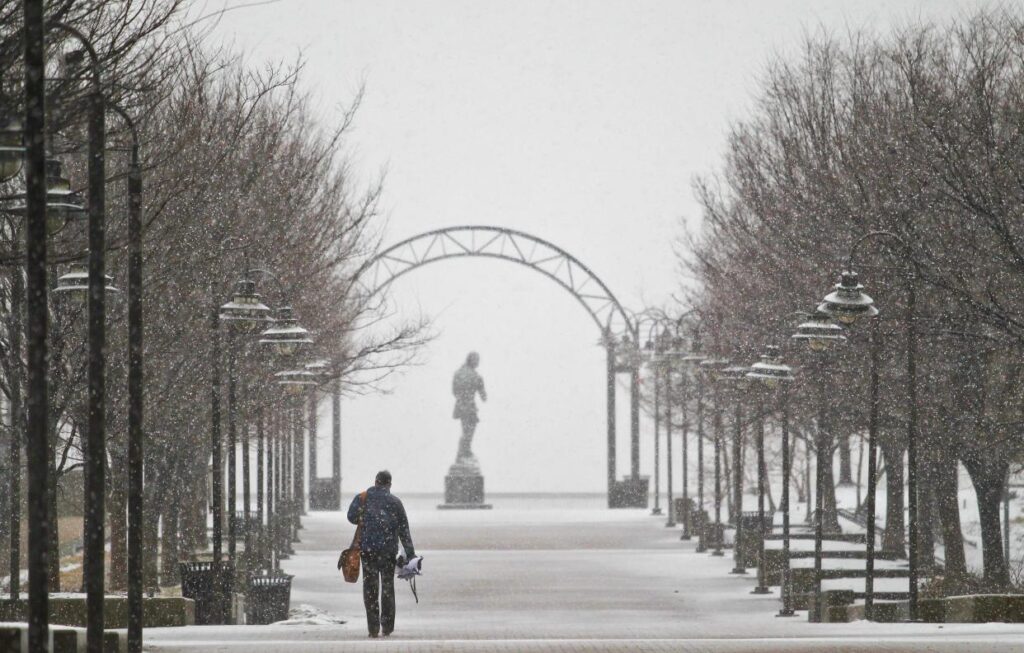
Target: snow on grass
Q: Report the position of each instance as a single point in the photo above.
(308, 615)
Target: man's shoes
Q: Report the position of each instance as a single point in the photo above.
(387, 633)
(374, 635)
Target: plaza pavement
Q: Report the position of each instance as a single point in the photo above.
(541, 577)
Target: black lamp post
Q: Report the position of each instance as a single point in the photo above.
(714, 369)
(135, 390)
(36, 326)
(95, 454)
(273, 471)
(654, 359)
(58, 204)
(336, 436)
(321, 368)
(671, 357)
(848, 304)
(261, 504)
(295, 383)
(283, 337)
(769, 371)
(736, 378)
(48, 200)
(667, 372)
(245, 314)
(820, 334)
(61, 204)
(694, 361)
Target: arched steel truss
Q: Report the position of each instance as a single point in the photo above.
(500, 243)
(564, 269)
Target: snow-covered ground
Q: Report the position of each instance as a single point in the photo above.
(559, 575)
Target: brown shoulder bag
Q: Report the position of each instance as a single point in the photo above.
(348, 562)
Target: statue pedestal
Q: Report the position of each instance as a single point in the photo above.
(464, 487)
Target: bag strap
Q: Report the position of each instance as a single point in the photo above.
(358, 536)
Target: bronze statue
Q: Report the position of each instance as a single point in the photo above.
(466, 383)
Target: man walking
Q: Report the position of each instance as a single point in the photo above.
(384, 526)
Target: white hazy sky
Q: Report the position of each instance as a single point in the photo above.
(581, 122)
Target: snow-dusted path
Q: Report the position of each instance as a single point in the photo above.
(550, 579)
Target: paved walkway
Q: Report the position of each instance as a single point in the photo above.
(545, 579)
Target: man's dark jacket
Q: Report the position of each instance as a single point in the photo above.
(384, 523)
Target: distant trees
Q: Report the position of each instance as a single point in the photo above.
(920, 133)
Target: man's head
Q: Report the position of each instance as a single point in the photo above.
(473, 359)
(383, 478)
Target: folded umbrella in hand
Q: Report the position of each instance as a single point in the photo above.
(410, 569)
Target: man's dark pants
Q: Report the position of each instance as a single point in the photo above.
(379, 590)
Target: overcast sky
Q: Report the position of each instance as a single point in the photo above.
(580, 122)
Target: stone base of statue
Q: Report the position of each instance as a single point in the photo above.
(629, 492)
(464, 487)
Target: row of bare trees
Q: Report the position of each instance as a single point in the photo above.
(238, 174)
(918, 132)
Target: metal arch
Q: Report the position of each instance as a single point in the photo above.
(501, 243)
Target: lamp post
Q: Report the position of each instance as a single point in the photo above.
(820, 334)
(654, 356)
(135, 390)
(847, 304)
(321, 368)
(336, 436)
(35, 206)
(261, 505)
(695, 361)
(654, 360)
(684, 445)
(295, 383)
(671, 358)
(95, 454)
(58, 205)
(61, 204)
(667, 371)
(245, 312)
(770, 372)
(36, 326)
(714, 369)
(284, 337)
(273, 471)
(736, 377)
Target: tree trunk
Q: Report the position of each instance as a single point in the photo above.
(893, 537)
(807, 480)
(118, 524)
(5, 501)
(799, 480)
(945, 483)
(829, 512)
(860, 474)
(151, 528)
(845, 465)
(727, 485)
(192, 516)
(51, 499)
(169, 541)
(988, 473)
(926, 520)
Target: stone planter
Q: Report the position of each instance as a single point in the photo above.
(984, 608)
